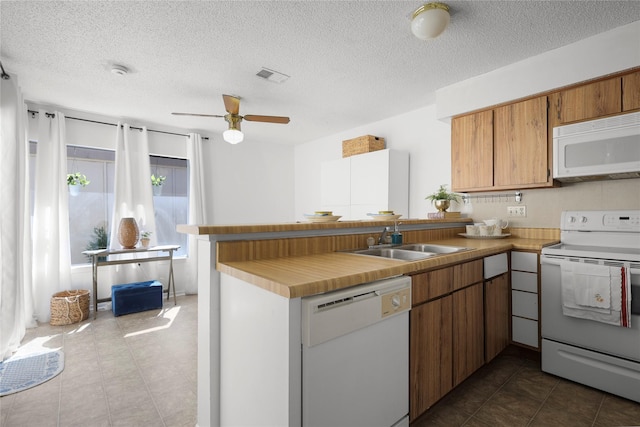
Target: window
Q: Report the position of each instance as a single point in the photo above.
(90, 211)
(171, 205)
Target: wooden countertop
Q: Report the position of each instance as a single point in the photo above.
(300, 276)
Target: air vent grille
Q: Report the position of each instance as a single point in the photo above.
(272, 75)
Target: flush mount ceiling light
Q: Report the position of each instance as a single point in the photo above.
(430, 20)
(119, 70)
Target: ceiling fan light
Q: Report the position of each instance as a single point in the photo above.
(430, 20)
(233, 136)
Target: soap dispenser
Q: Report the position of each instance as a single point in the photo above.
(396, 237)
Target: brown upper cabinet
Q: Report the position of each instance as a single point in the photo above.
(631, 91)
(521, 157)
(503, 148)
(472, 151)
(589, 101)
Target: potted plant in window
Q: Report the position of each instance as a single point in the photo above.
(441, 199)
(145, 238)
(156, 183)
(75, 181)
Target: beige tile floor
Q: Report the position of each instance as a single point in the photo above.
(140, 370)
(513, 391)
(132, 370)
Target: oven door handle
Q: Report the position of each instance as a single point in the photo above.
(554, 260)
(546, 259)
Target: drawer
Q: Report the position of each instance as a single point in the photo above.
(466, 274)
(524, 261)
(522, 281)
(495, 265)
(430, 285)
(524, 331)
(524, 304)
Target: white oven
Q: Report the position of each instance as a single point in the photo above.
(590, 291)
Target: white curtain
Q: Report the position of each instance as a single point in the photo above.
(51, 249)
(197, 206)
(133, 195)
(16, 304)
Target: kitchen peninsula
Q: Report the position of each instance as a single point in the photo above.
(262, 272)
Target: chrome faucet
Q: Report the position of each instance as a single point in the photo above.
(383, 235)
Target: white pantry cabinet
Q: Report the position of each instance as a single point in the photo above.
(365, 183)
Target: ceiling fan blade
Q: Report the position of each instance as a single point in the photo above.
(231, 104)
(196, 114)
(267, 119)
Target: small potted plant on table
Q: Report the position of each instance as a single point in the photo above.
(442, 199)
(145, 238)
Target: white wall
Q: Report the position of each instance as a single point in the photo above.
(428, 139)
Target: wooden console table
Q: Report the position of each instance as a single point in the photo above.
(105, 253)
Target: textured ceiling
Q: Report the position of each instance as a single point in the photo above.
(350, 62)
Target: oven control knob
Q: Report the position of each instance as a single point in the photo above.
(395, 301)
(583, 219)
(571, 219)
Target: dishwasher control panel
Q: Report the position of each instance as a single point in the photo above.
(395, 302)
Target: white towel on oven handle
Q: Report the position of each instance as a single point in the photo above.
(592, 285)
(583, 285)
(614, 316)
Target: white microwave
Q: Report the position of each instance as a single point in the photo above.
(607, 148)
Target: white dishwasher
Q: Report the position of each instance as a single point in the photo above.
(355, 356)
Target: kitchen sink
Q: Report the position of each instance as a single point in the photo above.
(427, 247)
(401, 254)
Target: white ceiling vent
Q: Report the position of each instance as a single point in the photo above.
(271, 75)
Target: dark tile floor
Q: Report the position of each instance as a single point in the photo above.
(513, 391)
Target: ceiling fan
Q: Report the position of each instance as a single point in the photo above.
(233, 135)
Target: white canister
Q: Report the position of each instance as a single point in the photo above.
(483, 230)
(472, 230)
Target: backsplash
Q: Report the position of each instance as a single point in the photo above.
(544, 206)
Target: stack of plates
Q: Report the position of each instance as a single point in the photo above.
(322, 216)
(384, 216)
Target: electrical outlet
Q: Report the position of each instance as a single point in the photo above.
(520, 211)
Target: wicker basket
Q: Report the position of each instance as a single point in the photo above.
(69, 307)
(362, 144)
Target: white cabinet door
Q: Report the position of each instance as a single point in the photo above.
(335, 176)
(366, 183)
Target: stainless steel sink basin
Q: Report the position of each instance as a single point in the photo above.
(394, 253)
(437, 249)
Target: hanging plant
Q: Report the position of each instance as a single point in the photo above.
(75, 181)
(157, 181)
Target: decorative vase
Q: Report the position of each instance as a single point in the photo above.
(157, 190)
(128, 233)
(145, 242)
(441, 205)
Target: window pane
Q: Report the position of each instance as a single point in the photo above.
(90, 211)
(170, 201)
